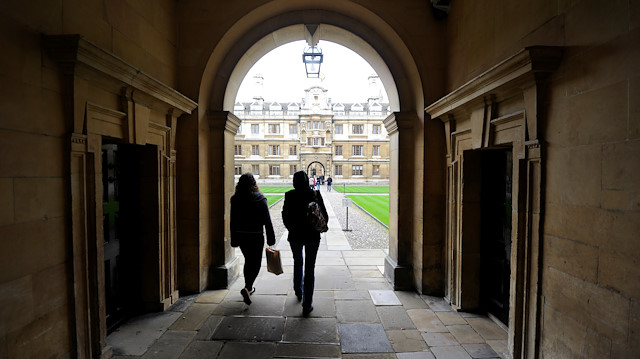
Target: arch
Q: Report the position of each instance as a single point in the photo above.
(324, 169)
(358, 28)
(297, 32)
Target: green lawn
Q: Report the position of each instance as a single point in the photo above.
(362, 189)
(275, 189)
(272, 198)
(377, 205)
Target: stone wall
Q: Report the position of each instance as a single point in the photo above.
(36, 294)
(591, 125)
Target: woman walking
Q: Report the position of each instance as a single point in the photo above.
(302, 235)
(249, 213)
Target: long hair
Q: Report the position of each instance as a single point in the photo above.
(246, 185)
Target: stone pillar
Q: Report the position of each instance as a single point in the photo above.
(397, 266)
(223, 126)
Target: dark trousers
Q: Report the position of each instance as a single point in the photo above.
(252, 260)
(303, 284)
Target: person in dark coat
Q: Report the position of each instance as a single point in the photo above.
(249, 214)
(302, 236)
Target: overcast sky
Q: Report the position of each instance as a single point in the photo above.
(345, 74)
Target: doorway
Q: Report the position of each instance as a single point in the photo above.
(496, 230)
(129, 207)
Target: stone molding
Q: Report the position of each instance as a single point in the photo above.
(75, 50)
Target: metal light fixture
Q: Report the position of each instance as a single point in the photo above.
(312, 58)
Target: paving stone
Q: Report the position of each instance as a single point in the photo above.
(450, 318)
(266, 305)
(364, 338)
(322, 307)
(453, 352)
(406, 341)
(425, 320)
(395, 318)
(364, 261)
(212, 296)
(235, 350)
(230, 308)
(366, 273)
(272, 284)
(250, 328)
(303, 351)
(370, 356)
(437, 304)
(439, 339)
(194, 317)
(480, 351)
(351, 294)
(356, 311)
(333, 280)
(384, 297)
(183, 303)
(201, 349)
(136, 336)
(416, 355)
(487, 328)
(498, 346)
(411, 300)
(170, 345)
(311, 330)
(208, 328)
(465, 334)
(371, 283)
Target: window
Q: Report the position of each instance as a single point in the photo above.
(376, 129)
(274, 128)
(255, 169)
(376, 150)
(274, 150)
(274, 170)
(293, 150)
(308, 141)
(357, 129)
(293, 129)
(338, 129)
(255, 150)
(338, 170)
(357, 150)
(237, 150)
(237, 170)
(376, 170)
(293, 169)
(356, 171)
(316, 141)
(309, 125)
(255, 129)
(338, 150)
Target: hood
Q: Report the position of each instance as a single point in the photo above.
(300, 180)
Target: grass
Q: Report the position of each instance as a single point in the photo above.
(378, 206)
(362, 189)
(273, 198)
(275, 189)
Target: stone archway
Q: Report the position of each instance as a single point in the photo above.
(363, 31)
(310, 169)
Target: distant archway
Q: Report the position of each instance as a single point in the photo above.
(312, 171)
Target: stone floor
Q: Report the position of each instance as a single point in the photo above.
(356, 315)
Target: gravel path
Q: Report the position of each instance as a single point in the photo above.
(366, 232)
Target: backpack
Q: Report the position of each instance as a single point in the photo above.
(315, 217)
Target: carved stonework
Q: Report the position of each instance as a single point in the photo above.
(473, 121)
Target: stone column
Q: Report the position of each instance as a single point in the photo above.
(397, 266)
(223, 127)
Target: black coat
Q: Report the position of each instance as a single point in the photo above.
(294, 214)
(249, 213)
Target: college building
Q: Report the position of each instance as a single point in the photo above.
(346, 141)
(510, 138)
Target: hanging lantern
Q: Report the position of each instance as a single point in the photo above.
(312, 58)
